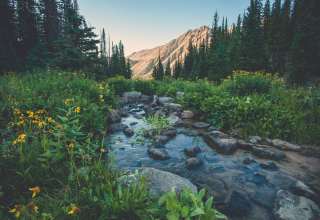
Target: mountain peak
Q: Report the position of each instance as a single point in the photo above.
(144, 60)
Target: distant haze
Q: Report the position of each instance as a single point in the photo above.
(143, 24)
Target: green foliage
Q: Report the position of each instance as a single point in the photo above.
(157, 123)
(245, 83)
(246, 103)
(188, 205)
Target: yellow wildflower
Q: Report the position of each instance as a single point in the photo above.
(50, 120)
(16, 210)
(17, 111)
(20, 139)
(35, 191)
(70, 146)
(68, 101)
(33, 207)
(77, 110)
(73, 210)
(30, 114)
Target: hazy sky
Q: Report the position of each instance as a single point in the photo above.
(143, 24)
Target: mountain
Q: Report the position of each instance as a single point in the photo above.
(144, 60)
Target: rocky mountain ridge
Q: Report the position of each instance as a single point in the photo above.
(144, 60)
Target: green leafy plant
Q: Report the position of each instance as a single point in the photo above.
(157, 123)
(187, 205)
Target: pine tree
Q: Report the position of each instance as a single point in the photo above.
(267, 34)
(158, 71)
(304, 54)
(8, 44)
(27, 28)
(167, 72)
(252, 53)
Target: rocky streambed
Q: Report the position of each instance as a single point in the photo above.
(250, 179)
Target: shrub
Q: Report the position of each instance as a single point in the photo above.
(245, 83)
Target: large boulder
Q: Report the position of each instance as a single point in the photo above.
(161, 181)
(284, 145)
(193, 162)
(173, 107)
(223, 145)
(266, 152)
(131, 97)
(291, 207)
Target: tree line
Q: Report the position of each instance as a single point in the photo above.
(282, 37)
(53, 34)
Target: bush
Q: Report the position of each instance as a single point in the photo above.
(245, 83)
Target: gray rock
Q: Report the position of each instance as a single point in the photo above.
(158, 154)
(145, 98)
(164, 100)
(173, 107)
(225, 145)
(131, 97)
(161, 182)
(155, 101)
(193, 162)
(192, 152)
(114, 116)
(187, 114)
(291, 207)
(285, 145)
(128, 132)
(161, 139)
(200, 125)
(170, 133)
(218, 134)
(268, 153)
(245, 145)
(301, 189)
(255, 139)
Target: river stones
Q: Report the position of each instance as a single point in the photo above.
(187, 115)
(173, 107)
(170, 133)
(165, 100)
(255, 139)
(158, 154)
(283, 145)
(192, 152)
(161, 140)
(267, 153)
(291, 207)
(193, 163)
(128, 132)
(224, 145)
(200, 125)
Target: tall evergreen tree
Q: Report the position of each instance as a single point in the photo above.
(27, 27)
(168, 72)
(252, 54)
(8, 37)
(158, 71)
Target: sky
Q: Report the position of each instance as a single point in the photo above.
(143, 24)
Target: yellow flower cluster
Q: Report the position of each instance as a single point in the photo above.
(35, 191)
(68, 101)
(20, 139)
(37, 118)
(77, 110)
(73, 209)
